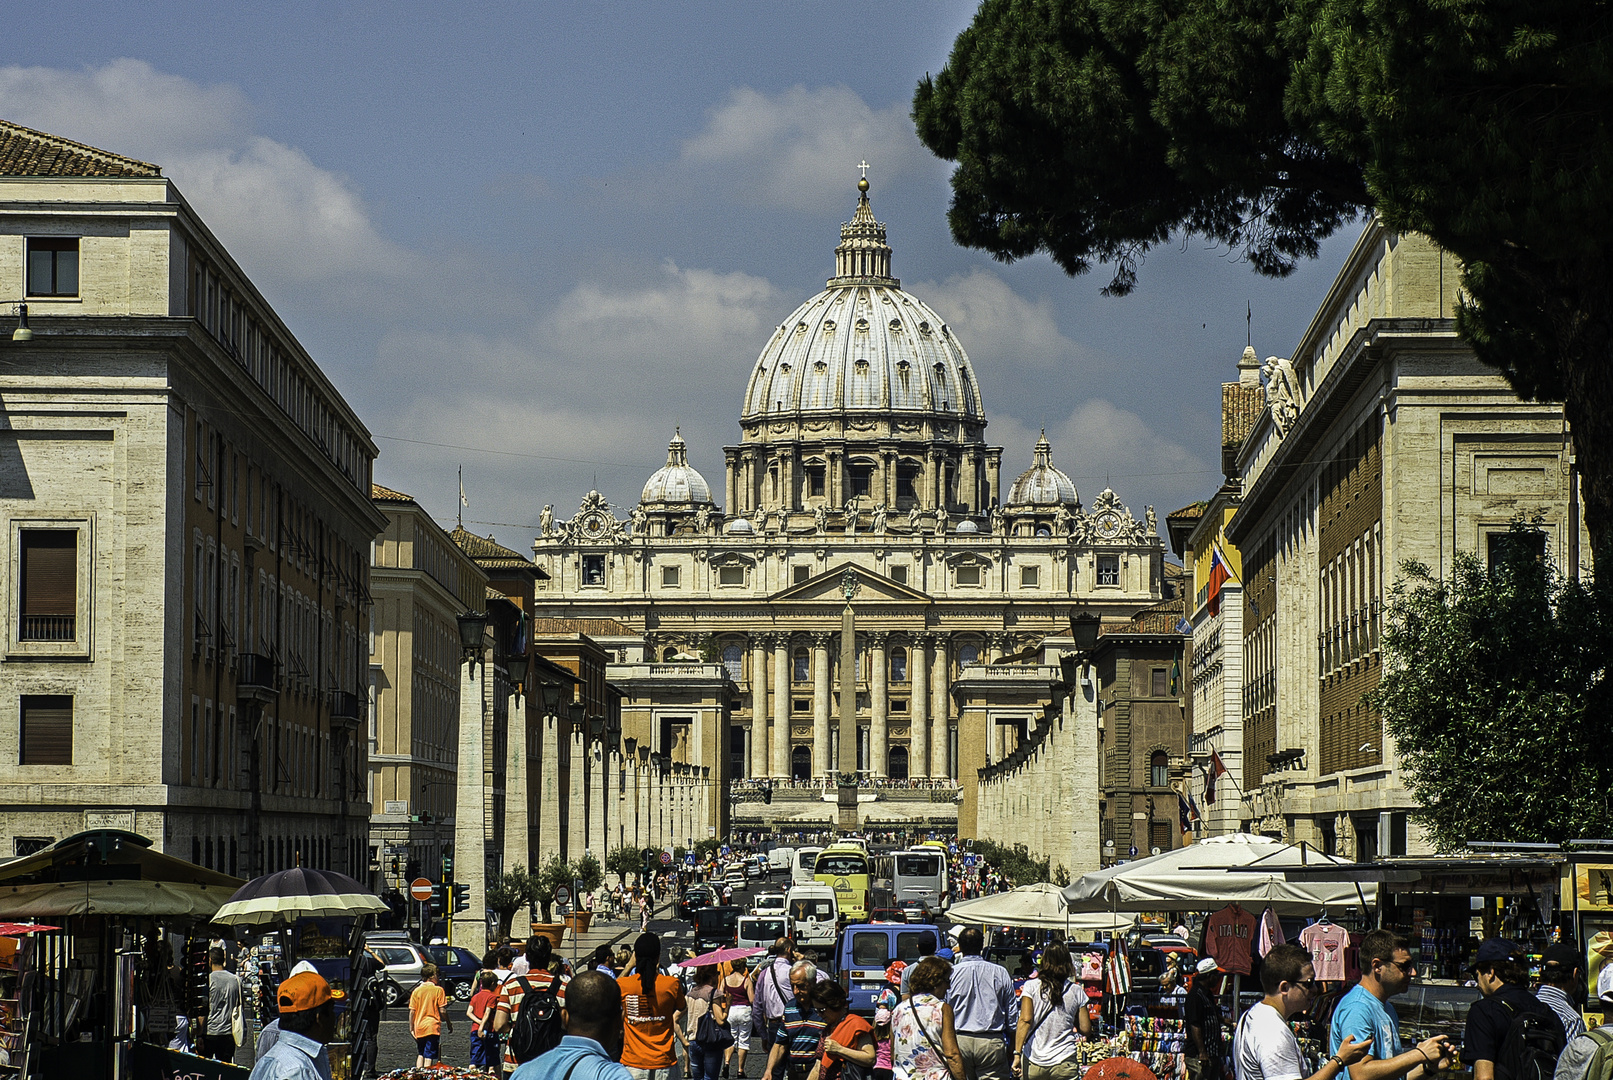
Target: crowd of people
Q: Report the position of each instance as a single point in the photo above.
(876, 783)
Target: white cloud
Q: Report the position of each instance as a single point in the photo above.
(1001, 329)
(798, 149)
(285, 219)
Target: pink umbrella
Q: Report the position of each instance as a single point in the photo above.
(17, 929)
(722, 956)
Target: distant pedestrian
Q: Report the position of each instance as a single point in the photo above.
(982, 998)
(223, 1005)
(427, 1018)
(1503, 979)
(483, 1043)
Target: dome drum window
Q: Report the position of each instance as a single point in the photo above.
(861, 476)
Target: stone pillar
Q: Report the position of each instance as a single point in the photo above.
(939, 710)
(730, 464)
(847, 757)
(517, 805)
(549, 797)
(597, 804)
(615, 820)
(470, 808)
(994, 462)
(932, 480)
(781, 706)
(966, 483)
(820, 705)
(918, 706)
(879, 703)
(758, 706)
(577, 805)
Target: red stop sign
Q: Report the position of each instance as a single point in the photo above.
(420, 889)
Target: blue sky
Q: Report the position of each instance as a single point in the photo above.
(540, 236)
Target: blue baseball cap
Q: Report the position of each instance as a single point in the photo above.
(1495, 951)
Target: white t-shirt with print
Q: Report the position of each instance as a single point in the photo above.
(1054, 1039)
(1264, 1048)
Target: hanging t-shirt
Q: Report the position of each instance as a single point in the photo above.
(1326, 944)
(1229, 934)
(1271, 932)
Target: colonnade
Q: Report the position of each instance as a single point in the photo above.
(926, 680)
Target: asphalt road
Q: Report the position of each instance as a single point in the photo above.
(396, 1048)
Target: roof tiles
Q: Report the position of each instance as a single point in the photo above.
(26, 152)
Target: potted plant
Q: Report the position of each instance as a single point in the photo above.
(507, 894)
(553, 874)
(588, 874)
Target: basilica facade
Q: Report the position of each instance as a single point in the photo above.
(865, 559)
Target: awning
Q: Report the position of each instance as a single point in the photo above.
(58, 900)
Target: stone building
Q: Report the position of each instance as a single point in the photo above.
(422, 582)
(867, 556)
(1381, 440)
(187, 508)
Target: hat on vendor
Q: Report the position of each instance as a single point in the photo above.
(303, 991)
(1495, 951)
(1563, 956)
(1207, 965)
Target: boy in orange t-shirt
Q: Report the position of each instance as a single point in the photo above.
(426, 1018)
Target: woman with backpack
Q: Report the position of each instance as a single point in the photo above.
(1052, 1009)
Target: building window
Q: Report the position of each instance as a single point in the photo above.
(814, 478)
(49, 600)
(1029, 577)
(1159, 769)
(968, 576)
(798, 574)
(898, 705)
(907, 482)
(1159, 688)
(669, 576)
(896, 764)
(1108, 569)
(968, 655)
(862, 480)
(1159, 835)
(1500, 545)
(899, 575)
(898, 665)
(802, 670)
(593, 569)
(733, 658)
(47, 730)
(801, 704)
(53, 266)
(731, 574)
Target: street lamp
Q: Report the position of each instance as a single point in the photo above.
(1084, 635)
(22, 333)
(578, 712)
(551, 691)
(516, 665)
(472, 628)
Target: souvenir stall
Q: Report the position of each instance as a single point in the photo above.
(110, 978)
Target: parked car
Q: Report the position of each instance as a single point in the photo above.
(402, 960)
(693, 899)
(456, 968)
(716, 927)
(916, 911)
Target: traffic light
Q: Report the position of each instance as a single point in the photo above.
(461, 897)
(767, 793)
(439, 899)
(447, 864)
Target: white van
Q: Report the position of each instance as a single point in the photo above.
(806, 863)
(815, 915)
(780, 860)
(770, 903)
(760, 931)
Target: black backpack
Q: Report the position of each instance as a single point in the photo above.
(538, 1027)
(1530, 1050)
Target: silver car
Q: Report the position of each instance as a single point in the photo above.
(403, 961)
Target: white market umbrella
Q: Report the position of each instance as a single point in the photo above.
(1040, 906)
(289, 895)
(1240, 868)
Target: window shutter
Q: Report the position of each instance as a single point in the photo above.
(47, 729)
(49, 571)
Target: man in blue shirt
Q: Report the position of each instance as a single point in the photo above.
(1365, 1015)
(982, 998)
(307, 1023)
(593, 1039)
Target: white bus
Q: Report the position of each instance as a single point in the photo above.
(920, 874)
(805, 865)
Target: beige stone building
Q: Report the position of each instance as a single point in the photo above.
(421, 582)
(186, 506)
(867, 557)
(1382, 439)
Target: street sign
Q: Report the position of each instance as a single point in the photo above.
(666, 858)
(1133, 851)
(562, 896)
(420, 889)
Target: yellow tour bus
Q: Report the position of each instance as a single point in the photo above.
(846, 870)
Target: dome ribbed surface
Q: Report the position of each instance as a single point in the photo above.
(676, 481)
(1042, 484)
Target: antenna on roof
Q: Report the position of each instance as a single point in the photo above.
(1249, 321)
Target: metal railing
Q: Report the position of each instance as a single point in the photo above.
(49, 628)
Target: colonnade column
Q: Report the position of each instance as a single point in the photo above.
(918, 742)
(939, 730)
(549, 790)
(577, 806)
(615, 820)
(968, 481)
(781, 706)
(517, 804)
(878, 700)
(820, 705)
(596, 805)
(758, 706)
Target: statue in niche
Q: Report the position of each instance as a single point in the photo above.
(759, 519)
(702, 519)
(913, 518)
(941, 519)
(879, 519)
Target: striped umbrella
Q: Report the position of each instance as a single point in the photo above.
(294, 894)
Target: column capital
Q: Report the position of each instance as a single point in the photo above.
(822, 639)
(761, 639)
(878, 639)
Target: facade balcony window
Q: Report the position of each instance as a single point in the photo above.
(344, 705)
(256, 678)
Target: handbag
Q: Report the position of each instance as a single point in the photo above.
(237, 1026)
(708, 1032)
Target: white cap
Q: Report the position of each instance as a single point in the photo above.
(1604, 983)
(1207, 965)
(302, 966)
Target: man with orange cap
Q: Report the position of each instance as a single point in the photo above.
(307, 1023)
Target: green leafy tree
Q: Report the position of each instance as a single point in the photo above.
(1094, 130)
(554, 873)
(705, 849)
(589, 872)
(1014, 862)
(624, 861)
(509, 893)
(1496, 693)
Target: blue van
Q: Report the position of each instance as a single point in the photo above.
(866, 949)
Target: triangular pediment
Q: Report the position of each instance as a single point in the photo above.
(829, 586)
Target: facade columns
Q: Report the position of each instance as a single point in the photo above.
(615, 820)
(820, 705)
(939, 710)
(879, 703)
(758, 706)
(846, 757)
(994, 463)
(730, 463)
(918, 742)
(967, 482)
(517, 806)
(781, 706)
(470, 807)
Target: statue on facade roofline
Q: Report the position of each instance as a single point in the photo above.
(941, 518)
(913, 518)
(702, 519)
(640, 520)
(879, 519)
(546, 520)
(1282, 392)
(1062, 520)
(851, 516)
(820, 519)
